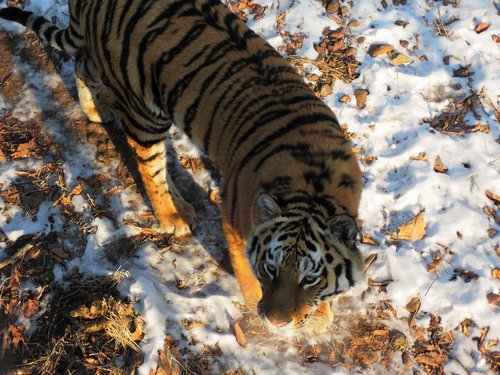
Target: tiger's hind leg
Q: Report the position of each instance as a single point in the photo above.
(93, 95)
(172, 211)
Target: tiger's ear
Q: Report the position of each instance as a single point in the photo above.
(268, 207)
(344, 227)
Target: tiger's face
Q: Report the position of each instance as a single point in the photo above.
(302, 262)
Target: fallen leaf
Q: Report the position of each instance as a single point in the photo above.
(181, 284)
(238, 333)
(465, 275)
(435, 265)
(332, 6)
(17, 334)
(325, 90)
(58, 253)
(420, 157)
(493, 299)
(432, 359)
(354, 23)
(495, 198)
(361, 95)
(406, 358)
(400, 59)
(463, 72)
(398, 340)
(495, 273)
(368, 240)
(439, 166)
(191, 324)
(414, 305)
(365, 358)
(379, 49)
(412, 230)
(345, 99)
(310, 353)
(30, 308)
(480, 27)
(383, 283)
(138, 331)
(24, 150)
(369, 261)
(465, 325)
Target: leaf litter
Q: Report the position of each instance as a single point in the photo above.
(105, 327)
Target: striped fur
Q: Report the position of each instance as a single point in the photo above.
(289, 174)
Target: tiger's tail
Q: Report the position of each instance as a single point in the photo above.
(66, 40)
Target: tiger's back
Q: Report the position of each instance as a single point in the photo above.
(282, 153)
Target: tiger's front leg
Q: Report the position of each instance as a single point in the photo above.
(172, 211)
(249, 285)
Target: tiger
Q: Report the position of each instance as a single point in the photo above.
(291, 184)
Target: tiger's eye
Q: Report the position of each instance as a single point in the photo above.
(309, 279)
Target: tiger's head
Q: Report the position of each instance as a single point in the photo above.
(302, 262)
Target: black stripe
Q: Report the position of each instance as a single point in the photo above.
(48, 33)
(348, 271)
(338, 272)
(39, 21)
(156, 173)
(58, 39)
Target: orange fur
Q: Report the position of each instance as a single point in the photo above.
(173, 213)
(249, 285)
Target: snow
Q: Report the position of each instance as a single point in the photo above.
(396, 187)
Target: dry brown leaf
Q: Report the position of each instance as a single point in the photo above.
(400, 59)
(361, 95)
(480, 27)
(17, 334)
(368, 240)
(240, 336)
(406, 358)
(369, 261)
(493, 299)
(432, 359)
(30, 308)
(421, 157)
(384, 283)
(191, 324)
(495, 198)
(439, 165)
(24, 150)
(412, 230)
(365, 358)
(58, 253)
(379, 49)
(414, 305)
(345, 99)
(138, 331)
(435, 265)
(495, 273)
(483, 128)
(465, 326)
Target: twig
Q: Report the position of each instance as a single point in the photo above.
(430, 286)
(20, 253)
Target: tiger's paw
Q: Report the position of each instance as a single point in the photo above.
(182, 223)
(186, 211)
(175, 225)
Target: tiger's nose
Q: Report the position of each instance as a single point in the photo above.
(278, 323)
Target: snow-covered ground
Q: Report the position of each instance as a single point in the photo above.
(391, 129)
